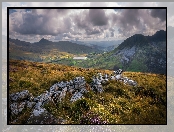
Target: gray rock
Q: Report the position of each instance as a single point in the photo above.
(43, 117)
(131, 82)
(118, 77)
(20, 95)
(76, 96)
(63, 93)
(16, 108)
(112, 78)
(30, 104)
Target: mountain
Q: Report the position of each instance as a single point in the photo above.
(159, 36)
(44, 41)
(136, 53)
(45, 49)
(101, 45)
(62, 46)
(104, 43)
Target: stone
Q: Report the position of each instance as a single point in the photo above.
(57, 92)
(131, 82)
(76, 96)
(24, 94)
(118, 77)
(43, 117)
(83, 90)
(119, 71)
(14, 97)
(112, 77)
(16, 108)
(20, 95)
(37, 112)
(30, 104)
(100, 88)
(71, 82)
(13, 108)
(38, 105)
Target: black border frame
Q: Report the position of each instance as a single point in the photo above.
(8, 8)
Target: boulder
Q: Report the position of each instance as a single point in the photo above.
(23, 95)
(17, 107)
(43, 117)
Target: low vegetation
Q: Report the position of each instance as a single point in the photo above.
(118, 104)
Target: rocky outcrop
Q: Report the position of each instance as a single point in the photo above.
(77, 87)
(20, 100)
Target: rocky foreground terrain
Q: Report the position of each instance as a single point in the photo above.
(44, 93)
(76, 87)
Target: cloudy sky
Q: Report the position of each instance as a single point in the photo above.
(82, 24)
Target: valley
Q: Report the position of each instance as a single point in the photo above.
(137, 53)
(36, 68)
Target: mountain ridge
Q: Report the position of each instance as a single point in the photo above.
(45, 49)
(136, 53)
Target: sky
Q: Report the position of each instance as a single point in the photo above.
(82, 24)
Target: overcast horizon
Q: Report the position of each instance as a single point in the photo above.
(84, 24)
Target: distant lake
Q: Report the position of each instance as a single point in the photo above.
(80, 58)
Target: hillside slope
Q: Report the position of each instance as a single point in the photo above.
(118, 104)
(136, 53)
(45, 50)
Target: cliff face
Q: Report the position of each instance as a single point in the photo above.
(137, 53)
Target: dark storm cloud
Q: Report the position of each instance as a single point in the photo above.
(81, 22)
(130, 17)
(137, 21)
(98, 17)
(127, 21)
(42, 22)
(32, 24)
(92, 23)
(159, 13)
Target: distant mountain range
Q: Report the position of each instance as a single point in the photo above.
(62, 46)
(136, 53)
(44, 48)
(101, 45)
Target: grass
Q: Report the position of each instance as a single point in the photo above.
(118, 104)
